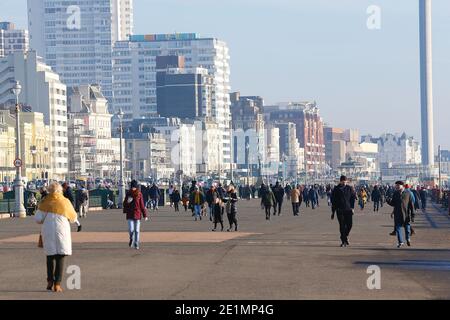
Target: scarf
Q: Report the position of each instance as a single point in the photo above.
(56, 203)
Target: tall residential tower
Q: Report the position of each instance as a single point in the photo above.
(76, 37)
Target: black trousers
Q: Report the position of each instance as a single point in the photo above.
(55, 268)
(232, 219)
(345, 224)
(268, 212)
(176, 205)
(376, 205)
(295, 208)
(279, 204)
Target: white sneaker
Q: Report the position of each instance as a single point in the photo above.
(400, 245)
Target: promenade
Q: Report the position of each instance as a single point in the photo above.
(286, 258)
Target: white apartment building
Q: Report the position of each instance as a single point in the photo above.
(76, 37)
(93, 152)
(134, 70)
(12, 39)
(272, 156)
(181, 147)
(43, 92)
(399, 149)
(147, 156)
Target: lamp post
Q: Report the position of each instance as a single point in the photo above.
(247, 159)
(19, 211)
(120, 115)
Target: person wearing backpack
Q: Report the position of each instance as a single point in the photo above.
(134, 208)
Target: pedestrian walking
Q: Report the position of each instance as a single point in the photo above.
(402, 202)
(55, 213)
(295, 199)
(231, 208)
(313, 197)
(197, 200)
(135, 210)
(176, 198)
(268, 201)
(211, 196)
(154, 195)
(218, 210)
(343, 200)
(278, 192)
(376, 198)
(82, 202)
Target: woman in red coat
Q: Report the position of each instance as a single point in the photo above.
(134, 208)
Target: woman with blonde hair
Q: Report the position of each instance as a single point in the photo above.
(55, 213)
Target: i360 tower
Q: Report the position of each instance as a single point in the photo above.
(426, 82)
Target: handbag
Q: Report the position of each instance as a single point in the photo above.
(40, 242)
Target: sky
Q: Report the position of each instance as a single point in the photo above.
(322, 50)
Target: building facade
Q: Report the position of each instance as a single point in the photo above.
(135, 69)
(35, 139)
(182, 92)
(76, 37)
(42, 91)
(12, 39)
(248, 132)
(309, 125)
(93, 152)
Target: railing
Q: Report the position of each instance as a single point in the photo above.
(6, 205)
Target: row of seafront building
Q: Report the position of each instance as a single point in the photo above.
(167, 85)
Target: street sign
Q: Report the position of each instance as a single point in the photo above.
(18, 163)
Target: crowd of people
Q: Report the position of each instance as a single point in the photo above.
(59, 205)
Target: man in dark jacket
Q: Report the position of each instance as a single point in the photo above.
(268, 201)
(376, 198)
(211, 196)
(343, 200)
(423, 198)
(402, 202)
(154, 196)
(68, 193)
(278, 192)
(313, 196)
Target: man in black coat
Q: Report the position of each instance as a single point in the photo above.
(278, 192)
(402, 202)
(343, 200)
(376, 198)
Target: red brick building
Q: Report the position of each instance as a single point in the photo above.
(309, 124)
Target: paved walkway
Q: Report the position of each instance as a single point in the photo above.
(286, 258)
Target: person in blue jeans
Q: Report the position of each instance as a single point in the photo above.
(402, 201)
(197, 199)
(135, 210)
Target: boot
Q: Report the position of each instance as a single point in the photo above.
(57, 287)
(50, 285)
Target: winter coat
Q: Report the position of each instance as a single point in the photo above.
(154, 192)
(218, 213)
(69, 195)
(343, 198)
(192, 199)
(55, 213)
(176, 196)
(278, 192)
(268, 199)
(401, 201)
(296, 195)
(133, 205)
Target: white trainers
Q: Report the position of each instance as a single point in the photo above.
(400, 245)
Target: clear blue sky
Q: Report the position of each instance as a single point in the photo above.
(316, 49)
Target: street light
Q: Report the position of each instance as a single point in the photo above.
(19, 211)
(247, 149)
(120, 115)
